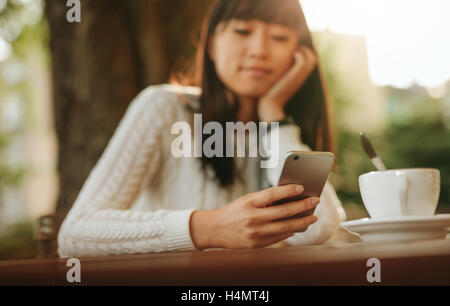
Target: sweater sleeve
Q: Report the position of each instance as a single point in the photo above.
(100, 221)
(329, 211)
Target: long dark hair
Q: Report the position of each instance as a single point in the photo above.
(308, 106)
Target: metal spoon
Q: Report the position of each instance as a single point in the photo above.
(378, 163)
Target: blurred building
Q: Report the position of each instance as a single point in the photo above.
(365, 110)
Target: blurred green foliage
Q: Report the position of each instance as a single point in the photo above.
(24, 30)
(21, 28)
(18, 242)
(420, 140)
(9, 175)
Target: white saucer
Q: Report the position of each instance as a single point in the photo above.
(396, 229)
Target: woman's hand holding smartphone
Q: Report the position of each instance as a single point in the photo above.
(251, 222)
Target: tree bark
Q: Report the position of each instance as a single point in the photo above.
(100, 64)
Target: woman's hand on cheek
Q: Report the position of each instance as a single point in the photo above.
(271, 105)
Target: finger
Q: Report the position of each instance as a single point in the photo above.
(304, 63)
(287, 209)
(308, 52)
(309, 55)
(300, 59)
(276, 238)
(297, 72)
(268, 196)
(287, 226)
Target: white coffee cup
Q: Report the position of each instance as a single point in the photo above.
(400, 192)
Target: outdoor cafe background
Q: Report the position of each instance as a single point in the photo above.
(387, 64)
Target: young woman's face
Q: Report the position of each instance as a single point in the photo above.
(250, 56)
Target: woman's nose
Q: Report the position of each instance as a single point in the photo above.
(258, 47)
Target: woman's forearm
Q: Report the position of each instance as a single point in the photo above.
(270, 113)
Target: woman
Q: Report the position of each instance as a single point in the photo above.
(257, 64)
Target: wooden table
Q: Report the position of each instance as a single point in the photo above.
(338, 263)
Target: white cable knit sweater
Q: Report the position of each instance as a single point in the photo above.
(139, 198)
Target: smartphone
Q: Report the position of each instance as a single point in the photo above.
(308, 168)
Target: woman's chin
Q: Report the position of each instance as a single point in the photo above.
(251, 91)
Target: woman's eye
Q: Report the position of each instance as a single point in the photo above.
(242, 31)
(280, 37)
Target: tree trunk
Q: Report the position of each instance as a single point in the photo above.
(100, 64)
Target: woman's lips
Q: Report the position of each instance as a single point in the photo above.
(256, 71)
